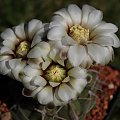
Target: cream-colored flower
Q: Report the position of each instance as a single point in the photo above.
(58, 52)
(55, 83)
(17, 44)
(90, 39)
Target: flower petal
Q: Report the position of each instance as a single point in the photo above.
(61, 62)
(97, 15)
(3, 68)
(87, 62)
(103, 29)
(67, 79)
(57, 102)
(5, 57)
(55, 49)
(56, 33)
(77, 72)
(104, 41)
(96, 52)
(13, 63)
(19, 68)
(67, 40)
(36, 91)
(76, 54)
(31, 72)
(109, 54)
(54, 24)
(34, 62)
(45, 96)
(36, 39)
(60, 20)
(116, 40)
(45, 64)
(40, 50)
(20, 32)
(38, 81)
(6, 50)
(75, 13)
(86, 10)
(9, 44)
(26, 82)
(78, 84)
(33, 27)
(66, 93)
(63, 52)
(54, 84)
(9, 35)
(53, 53)
(63, 13)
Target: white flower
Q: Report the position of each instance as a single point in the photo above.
(17, 44)
(58, 52)
(90, 39)
(53, 83)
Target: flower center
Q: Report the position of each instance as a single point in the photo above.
(79, 34)
(22, 49)
(55, 73)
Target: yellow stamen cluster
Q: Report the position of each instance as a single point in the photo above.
(79, 34)
(22, 49)
(55, 73)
